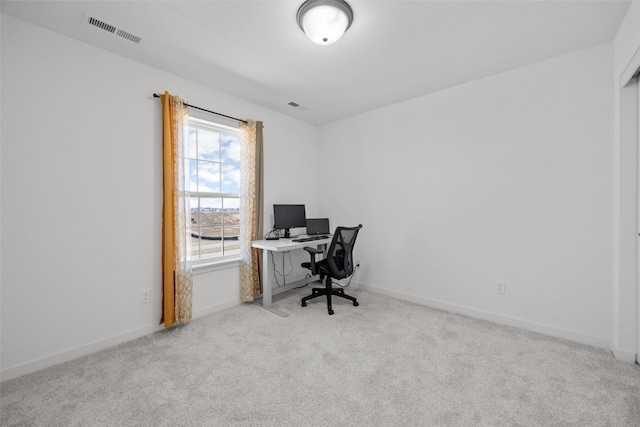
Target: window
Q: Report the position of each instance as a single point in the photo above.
(213, 170)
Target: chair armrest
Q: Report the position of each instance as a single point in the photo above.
(312, 250)
(312, 255)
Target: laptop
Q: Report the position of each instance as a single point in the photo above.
(318, 227)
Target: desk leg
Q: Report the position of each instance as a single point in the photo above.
(266, 283)
(267, 272)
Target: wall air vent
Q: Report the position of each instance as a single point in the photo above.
(110, 28)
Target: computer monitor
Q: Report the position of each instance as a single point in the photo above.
(286, 217)
(318, 226)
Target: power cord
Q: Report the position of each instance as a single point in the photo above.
(283, 274)
(355, 270)
(333, 282)
(307, 276)
(272, 235)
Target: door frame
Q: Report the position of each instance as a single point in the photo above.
(626, 295)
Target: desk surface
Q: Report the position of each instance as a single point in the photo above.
(283, 245)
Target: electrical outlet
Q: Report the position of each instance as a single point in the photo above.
(501, 287)
(145, 296)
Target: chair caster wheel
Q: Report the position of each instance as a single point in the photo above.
(304, 304)
(355, 303)
(330, 312)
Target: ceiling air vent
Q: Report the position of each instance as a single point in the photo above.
(128, 36)
(113, 30)
(296, 105)
(102, 25)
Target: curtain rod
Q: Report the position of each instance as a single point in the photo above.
(155, 95)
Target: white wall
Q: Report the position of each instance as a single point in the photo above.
(81, 195)
(627, 39)
(506, 178)
(626, 301)
(0, 196)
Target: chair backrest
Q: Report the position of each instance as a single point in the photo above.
(340, 253)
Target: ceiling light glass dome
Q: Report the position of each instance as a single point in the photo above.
(324, 21)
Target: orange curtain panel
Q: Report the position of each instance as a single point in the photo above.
(176, 266)
(251, 208)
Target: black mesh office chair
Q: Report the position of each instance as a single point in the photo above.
(338, 264)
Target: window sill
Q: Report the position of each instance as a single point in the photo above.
(215, 265)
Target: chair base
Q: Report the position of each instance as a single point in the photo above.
(328, 290)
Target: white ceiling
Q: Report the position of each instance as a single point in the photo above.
(394, 51)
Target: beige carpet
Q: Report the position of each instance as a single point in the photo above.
(384, 363)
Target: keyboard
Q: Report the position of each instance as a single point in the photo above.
(309, 239)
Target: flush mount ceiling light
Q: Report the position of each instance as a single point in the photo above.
(324, 21)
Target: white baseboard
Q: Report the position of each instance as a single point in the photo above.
(624, 355)
(74, 353)
(497, 318)
(215, 308)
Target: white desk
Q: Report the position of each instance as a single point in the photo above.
(282, 245)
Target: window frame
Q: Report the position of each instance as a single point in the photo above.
(226, 127)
